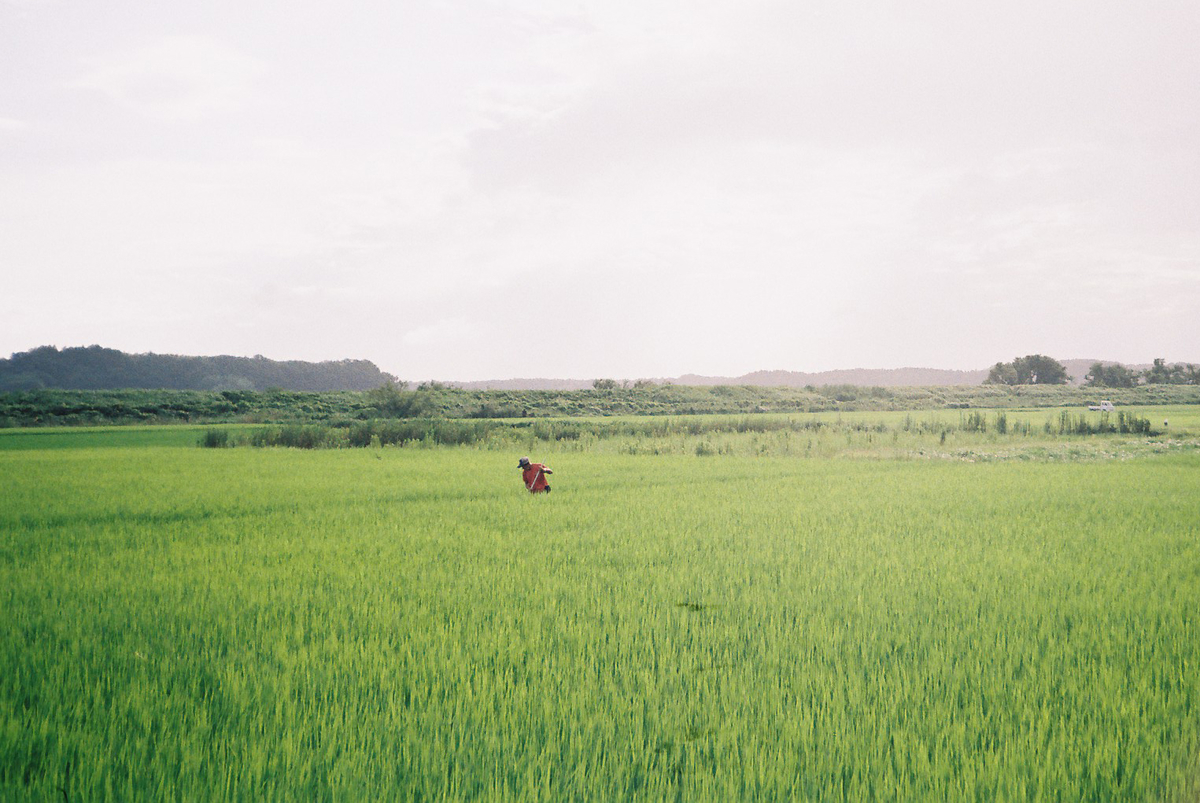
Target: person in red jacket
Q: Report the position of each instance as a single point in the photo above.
(534, 475)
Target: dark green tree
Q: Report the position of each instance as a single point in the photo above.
(1158, 373)
(1032, 369)
(1110, 376)
(390, 399)
(1175, 374)
(1038, 369)
(1002, 373)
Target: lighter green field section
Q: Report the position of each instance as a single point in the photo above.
(105, 437)
(409, 624)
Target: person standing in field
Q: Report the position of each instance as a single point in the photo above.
(534, 475)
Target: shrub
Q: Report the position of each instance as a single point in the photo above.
(215, 439)
(360, 435)
(1128, 422)
(975, 422)
(296, 437)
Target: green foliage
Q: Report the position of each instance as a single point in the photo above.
(298, 436)
(1126, 423)
(185, 624)
(1111, 376)
(393, 401)
(215, 439)
(1002, 373)
(66, 407)
(1032, 369)
(705, 435)
(1176, 374)
(975, 422)
(94, 368)
(1158, 373)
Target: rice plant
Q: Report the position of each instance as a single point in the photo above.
(410, 624)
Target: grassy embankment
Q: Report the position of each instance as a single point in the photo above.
(61, 407)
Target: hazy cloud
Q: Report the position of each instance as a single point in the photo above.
(445, 330)
(176, 78)
(521, 187)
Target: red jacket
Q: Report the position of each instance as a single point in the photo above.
(534, 475)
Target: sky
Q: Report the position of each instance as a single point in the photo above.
(523, 188)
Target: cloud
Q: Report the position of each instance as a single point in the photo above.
(952, 84)
(178, 78)
(446, 330)
(22, 6)
(715, 188)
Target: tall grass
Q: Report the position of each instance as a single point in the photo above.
(215, 439)
(1126, 423)
(505, 433)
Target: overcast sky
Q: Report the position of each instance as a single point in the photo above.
(475, 190)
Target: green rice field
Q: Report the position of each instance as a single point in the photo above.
(847, 614)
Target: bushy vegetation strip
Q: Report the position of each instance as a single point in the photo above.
(457, 432)
(80, 407)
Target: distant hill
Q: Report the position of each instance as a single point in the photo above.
(525, 384)
(883, 377)
(1077, 369)
(874, 377)
(96, 368)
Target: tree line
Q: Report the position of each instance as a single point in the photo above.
(97, 368)
(1038, 369)
(1160, 373)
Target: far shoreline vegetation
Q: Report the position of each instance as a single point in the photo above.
(40, 408)
(348, 391)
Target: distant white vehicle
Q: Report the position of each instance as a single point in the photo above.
(1105, 406)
